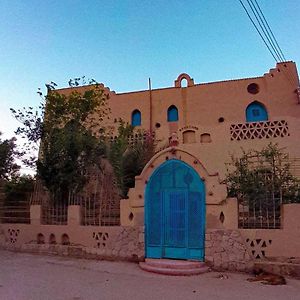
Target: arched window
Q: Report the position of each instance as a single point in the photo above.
(172, 114)
(256, 112)
(136, 118)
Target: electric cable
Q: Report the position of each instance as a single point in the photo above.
(267, 36)
(266, 22)
(265, 30)
(253, 23)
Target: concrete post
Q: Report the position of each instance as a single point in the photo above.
(35, 214)
(74, 215)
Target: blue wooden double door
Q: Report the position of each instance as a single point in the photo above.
(175, 213)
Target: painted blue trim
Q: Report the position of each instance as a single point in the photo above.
(256, 112)
(163, 238)
(136, 118)
(172, 114)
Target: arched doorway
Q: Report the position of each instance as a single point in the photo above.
(175, 212)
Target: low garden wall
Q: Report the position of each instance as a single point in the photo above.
(112, 243)
(225, 249)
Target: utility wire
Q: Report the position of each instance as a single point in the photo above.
(253, 23)
(266, 22)
(264, 25)
(267, 36)
(265, 30)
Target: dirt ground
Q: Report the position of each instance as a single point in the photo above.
(34, 277)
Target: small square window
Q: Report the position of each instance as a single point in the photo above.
(255, 112)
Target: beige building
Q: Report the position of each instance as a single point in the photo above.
(179, 207)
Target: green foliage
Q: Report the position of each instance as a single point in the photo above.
(263, 175)
(70, 129)
(8, 153)
(19, 188)
(73, 133)
(129, 158)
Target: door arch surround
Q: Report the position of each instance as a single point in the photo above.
(175, 212)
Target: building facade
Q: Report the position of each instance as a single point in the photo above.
(179, 207)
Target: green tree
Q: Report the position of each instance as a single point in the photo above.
(8, 153)
(262, 182)
(128, 153)
(18, 188)
(263, 174)
(72, 130)
(69, 129)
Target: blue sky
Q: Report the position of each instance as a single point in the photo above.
(122, 43)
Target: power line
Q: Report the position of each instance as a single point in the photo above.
(266, 22)
(266, 34)
(264, 25)
(264, 29)
(253, 23)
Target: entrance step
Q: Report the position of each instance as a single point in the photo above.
(173, 267)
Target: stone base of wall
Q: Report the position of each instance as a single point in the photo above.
(289, 267)
(128, 245)
(226, 250)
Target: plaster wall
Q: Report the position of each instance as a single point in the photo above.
(232, 249)
(284, 242)
(200, 107)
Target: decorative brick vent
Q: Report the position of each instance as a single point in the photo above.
(13, 235)
(101, 239)
(257, 247)
(259, 130)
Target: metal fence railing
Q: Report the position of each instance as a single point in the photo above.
(54, 214)
(19, 213)
(14, 210)
(261, 207)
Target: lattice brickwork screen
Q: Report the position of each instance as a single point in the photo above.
(258, 130)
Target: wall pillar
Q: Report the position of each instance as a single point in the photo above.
(74, 215)
(35, 214)
(290, 216)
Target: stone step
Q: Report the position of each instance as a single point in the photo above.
(173, 267)
(174, 263)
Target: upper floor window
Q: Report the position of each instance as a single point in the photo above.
(172, 114)
(136, 118)
(256, 112)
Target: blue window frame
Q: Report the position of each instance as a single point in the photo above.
(136, 118)
(172, 114)
(256, 112)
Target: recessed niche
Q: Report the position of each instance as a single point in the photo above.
(205, 138)
(189, 137)
(222, 217)
(253, 88)
(40, 238)
(131, 216)
(221, 120)
(52, 239)
(157, 125)
(65, 240)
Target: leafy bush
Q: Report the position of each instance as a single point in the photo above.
(263, 175)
